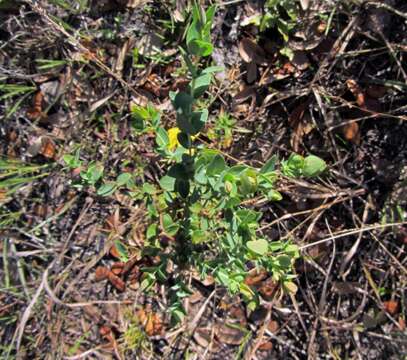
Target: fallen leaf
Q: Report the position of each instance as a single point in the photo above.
(391, 306)
(203, 337)
(117, 268)
(345, 288)
(290, 287)
(130, 265)
(250, 51)
(227, 334)
(116, 282)
(236, 312)
(300, 123)
(3, 194)
(300, 60)
(105, 331)
(255, 278)
(101, 273)
(251, 75)
(273, 326)
(351, 132)
(152, 322)
(48, 148)
(265, 346)
(36, 111)
(154, 325)
(114, 252)
(248, 92)
(268, 289)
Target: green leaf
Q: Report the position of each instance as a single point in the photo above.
(191, 67)
(182, 187)
(198, 120)
(149, 189)
(167, 183)
(216, 166)
(258, 246)
(177, 171)
(222, 277)
(293, 166)
(201, 84)
(93, 174)
(248, 182)
(170, 227)
(199, 236)
(212, 69)
(162, 138)
(269, 166)
(107, 189)
(184, 140)
(313, 166)
(178, 314)
(184, 123)
(200, 47)
(122, 250)
(123, 179)
(276, 245)
(182, 102)
(151, 231)
(284, 261)
(274, 195)
(194, 32)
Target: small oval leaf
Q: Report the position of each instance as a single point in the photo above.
(258, 246)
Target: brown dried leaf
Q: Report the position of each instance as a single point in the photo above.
(273, 326)
(203, 337)
(250, 51)
(391, 306)
(268, 289)
(101, 273)
(48, 148)
(116, 282)
(265, 346)
(117, 268)
(300, 60)
(351, 132)
(299, 124)
(251, 72)
(154, 325)
(254, 278)
(248, 92)
(114, 252)
(228, 334)
(357, 92)
(36, 111)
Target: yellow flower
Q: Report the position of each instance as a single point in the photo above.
(173, 136)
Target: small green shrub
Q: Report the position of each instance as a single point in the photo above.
(199, 204)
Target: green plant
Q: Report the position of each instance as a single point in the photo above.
(92, 176)
(223, 129)
(199, 205)
(279, 14)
